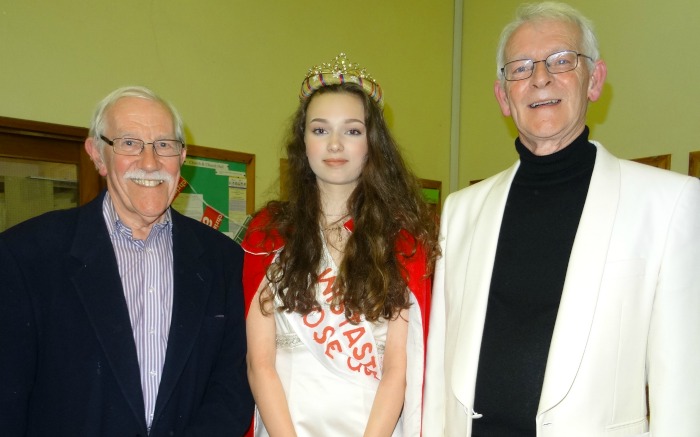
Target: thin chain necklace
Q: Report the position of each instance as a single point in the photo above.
(335, 228)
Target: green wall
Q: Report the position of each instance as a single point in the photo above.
(650, 103)
(233, 68)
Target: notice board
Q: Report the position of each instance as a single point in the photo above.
(217, 187)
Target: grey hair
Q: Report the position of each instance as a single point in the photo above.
(545, 11)
(97, 126)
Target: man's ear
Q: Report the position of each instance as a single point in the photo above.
(183, 155)
(93, 152)
(596, 80)
(502, 97)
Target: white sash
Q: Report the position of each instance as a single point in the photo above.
(347, 349)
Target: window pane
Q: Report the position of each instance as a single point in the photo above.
(29, 188)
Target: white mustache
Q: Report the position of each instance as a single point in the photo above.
(155, 175)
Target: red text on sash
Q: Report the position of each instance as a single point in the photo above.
(348, 344)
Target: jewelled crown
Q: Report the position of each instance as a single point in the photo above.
(340, 70)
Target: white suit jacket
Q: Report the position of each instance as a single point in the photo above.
(629, 313)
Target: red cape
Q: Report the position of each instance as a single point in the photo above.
(261, 248)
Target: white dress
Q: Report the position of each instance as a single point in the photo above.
(323, 402)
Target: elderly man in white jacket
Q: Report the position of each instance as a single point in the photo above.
(570, 282)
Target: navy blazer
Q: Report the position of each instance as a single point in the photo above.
(68, 364)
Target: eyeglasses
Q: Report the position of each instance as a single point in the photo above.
(134, 147)
(556, 63)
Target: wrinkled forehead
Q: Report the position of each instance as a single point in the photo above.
(538, 39)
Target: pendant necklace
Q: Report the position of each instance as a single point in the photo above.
(335, 228)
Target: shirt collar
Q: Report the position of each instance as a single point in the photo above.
(116, 225)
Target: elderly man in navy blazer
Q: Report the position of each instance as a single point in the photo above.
(122, 317)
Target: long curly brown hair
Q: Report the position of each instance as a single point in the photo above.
(387, 199)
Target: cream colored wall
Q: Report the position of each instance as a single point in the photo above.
(232, 67)
(650, 104)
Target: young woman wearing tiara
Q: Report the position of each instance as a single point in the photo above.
(337, 276)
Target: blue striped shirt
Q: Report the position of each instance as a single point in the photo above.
(146, 271)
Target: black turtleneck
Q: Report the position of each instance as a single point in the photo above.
(540, 221)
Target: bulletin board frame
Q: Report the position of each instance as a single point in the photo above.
(694, 164)
(659, 161)
(432, 191)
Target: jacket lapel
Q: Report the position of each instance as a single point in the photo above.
(477, 281)
(583, 278)
(99, 288)
(191, 289)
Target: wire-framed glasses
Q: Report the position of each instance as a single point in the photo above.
(134, 146)
(556, 63)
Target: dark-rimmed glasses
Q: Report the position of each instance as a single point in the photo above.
(556, 63)
(134, 146)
